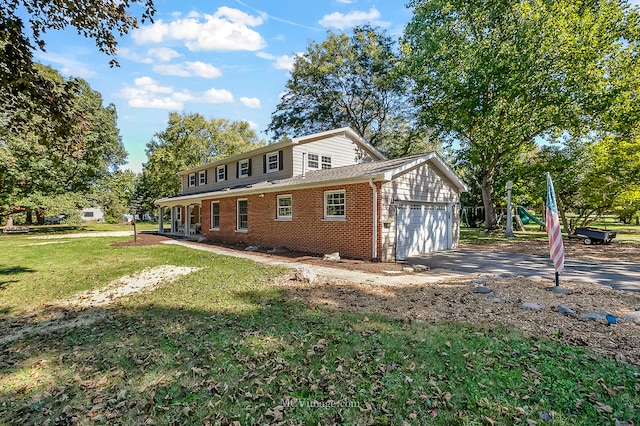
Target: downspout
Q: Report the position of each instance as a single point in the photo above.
(375, 219)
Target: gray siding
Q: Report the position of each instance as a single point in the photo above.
(342, 150)
(257, 174)
(423, 184)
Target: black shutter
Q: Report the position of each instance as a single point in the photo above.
(237, 170)
(197, 178)
(280, 162)
(206, 177)
(216, 173)
(226, 174)
(264, 163)
(249, 171)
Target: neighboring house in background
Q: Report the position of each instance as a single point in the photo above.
(321, 193)
(92, 213)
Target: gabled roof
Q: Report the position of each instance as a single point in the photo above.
(379, 171)
(345, 131)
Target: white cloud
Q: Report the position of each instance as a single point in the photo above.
(282, 62)
(163, 53)
(226, 30)
(346, 1)
(188, 69)
(126, 53)
(341, 21)
(148, 93)
(251, 102)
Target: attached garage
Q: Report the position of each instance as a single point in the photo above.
(422, 228)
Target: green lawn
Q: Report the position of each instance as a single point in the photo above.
(220, 346)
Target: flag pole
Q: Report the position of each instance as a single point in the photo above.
(557, 279)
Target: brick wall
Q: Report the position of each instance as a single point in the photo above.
(307, 231)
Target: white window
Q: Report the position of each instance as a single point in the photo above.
(202, 177)
(285, 207)
(312, 161)
(326, 162)
(215, 215)
(273, 162)
(192, 180)
(243, 215)
(243, 169)
(334, 205)
(221, 173)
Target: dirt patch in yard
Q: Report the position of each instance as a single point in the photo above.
(143, 240)
(457, 301)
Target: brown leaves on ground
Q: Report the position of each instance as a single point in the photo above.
(455, 300)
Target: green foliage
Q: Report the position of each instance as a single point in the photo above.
(43, 162)
(188, 141)
(492, 76)
(351, 81)
(23, 90)
(113, 194)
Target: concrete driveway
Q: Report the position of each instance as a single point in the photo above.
(619, 275)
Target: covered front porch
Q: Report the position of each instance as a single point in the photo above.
(185, 219)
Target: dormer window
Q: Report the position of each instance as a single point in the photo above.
(326, 162)
(312, 162)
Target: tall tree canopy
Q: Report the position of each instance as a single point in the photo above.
(494, 76)
(350, 81)
(39, 162)
(188, 141)
(21, 85)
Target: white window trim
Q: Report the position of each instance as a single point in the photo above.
(335, 217)
(238, 229)
(317, 160)
(202, 178)
(277, 155)
(280, 217)
(215, 228)
(224, 175)
(191, 180)
(240, 164)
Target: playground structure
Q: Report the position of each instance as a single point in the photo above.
(521, 216)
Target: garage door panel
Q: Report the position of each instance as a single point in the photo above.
(422, 228)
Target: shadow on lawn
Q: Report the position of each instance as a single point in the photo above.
(136, 365)
(11, 270)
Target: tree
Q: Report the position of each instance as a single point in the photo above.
(22, 87)
(114, 194)
(496, 76)
(38, 162)
(188, 141)
(350, 81)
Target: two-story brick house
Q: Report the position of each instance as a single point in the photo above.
(325, 192)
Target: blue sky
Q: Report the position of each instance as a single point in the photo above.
(223, 59)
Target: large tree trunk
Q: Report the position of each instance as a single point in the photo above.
(487, 200)
(29, 219)
(40, 216)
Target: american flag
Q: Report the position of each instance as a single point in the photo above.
(556, 247)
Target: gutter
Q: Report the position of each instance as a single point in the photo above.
(375, 219)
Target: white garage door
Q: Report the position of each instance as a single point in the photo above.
(422, 228)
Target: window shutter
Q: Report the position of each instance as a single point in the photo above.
(206, 178)
(215, 172)
(226, 174)
(280, 162)
(249, 171)
(197, 178)
(264, 163)
(237, 170)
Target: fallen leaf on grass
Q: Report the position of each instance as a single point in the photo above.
(603, 407)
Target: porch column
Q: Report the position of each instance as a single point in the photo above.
(160, 223)
(187, 220)
(173, 219)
